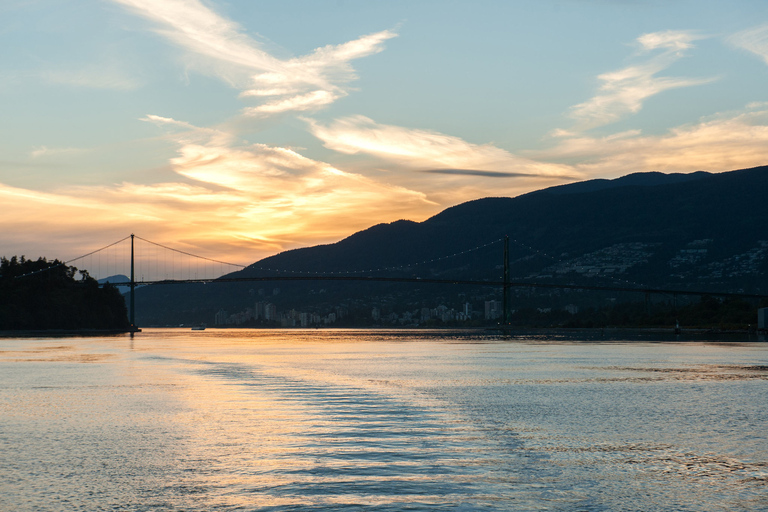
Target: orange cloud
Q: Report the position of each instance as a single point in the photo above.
(258, 200)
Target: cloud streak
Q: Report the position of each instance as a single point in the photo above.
(427, 150)
(218, 46)
(623, 92)
(46, 152)
(754, 40)
(107, 77)
(448, 169)
(193, 26)
(475, 172)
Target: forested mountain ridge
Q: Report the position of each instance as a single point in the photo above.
(719, 214)
(697, 231)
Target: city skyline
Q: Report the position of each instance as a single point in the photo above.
(241, 129)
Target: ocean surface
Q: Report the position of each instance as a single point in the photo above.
(174, 419)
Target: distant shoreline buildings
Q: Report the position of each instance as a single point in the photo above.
(266, 313)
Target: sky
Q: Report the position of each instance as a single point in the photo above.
(239, 129)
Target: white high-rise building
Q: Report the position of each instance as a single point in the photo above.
(493, 309)
(258, 310)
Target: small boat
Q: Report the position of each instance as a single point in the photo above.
(199, 327)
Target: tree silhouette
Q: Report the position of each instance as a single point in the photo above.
(41, 294)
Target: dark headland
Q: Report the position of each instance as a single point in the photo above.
(40, 297)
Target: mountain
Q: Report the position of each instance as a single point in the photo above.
(643, 179)
(117, 280)
(699, 231)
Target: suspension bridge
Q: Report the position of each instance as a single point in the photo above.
(134, 261)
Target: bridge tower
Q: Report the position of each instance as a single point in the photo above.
(133, 289)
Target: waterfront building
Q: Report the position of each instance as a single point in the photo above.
(493, 309)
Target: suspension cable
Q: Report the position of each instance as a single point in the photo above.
(382, 268)
(62, 264)
(189, 254)
(97, 250)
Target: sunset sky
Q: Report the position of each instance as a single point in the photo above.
(237, 129)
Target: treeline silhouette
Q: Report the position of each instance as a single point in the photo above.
(42, 295)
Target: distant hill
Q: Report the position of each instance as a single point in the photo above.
(683, 231)
(116, 279)
(119, 281)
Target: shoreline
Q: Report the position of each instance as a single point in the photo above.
(61, 333)
(650, 330)
(607, 334)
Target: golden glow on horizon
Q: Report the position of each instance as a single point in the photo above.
(222, 196)
(245, 203)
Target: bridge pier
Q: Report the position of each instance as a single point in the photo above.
(133, 289)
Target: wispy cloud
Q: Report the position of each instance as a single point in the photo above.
(724, 142)
(426, 149)
(754, 40)
(219, 46)
(322, 69)
(201, 31)
(623, 92)
(46, 152)
(476, 172)
(107, 76)
(448, 169)
(188, 133)
(298, 102)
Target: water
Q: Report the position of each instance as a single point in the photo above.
(359, 420)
